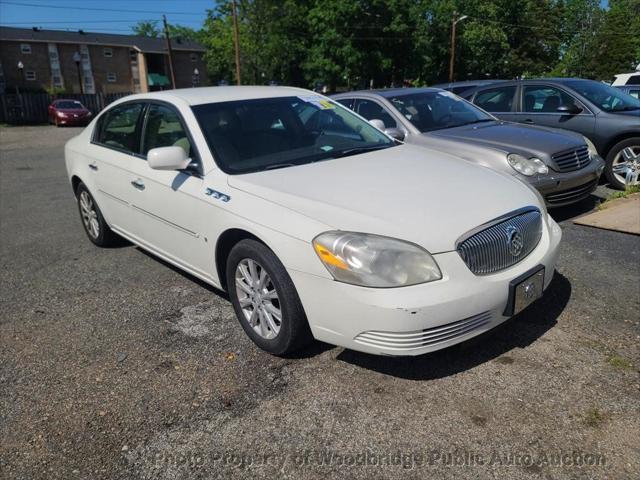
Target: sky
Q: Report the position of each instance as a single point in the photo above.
(116, 16)
(121, 14)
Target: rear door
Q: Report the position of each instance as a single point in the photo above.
(113, 148)
(498, 100)
(539, 105)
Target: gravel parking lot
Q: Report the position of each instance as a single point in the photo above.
(115, 365)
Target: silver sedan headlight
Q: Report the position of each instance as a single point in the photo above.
(527, 166)
(374, 261)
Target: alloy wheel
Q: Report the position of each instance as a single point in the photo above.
(258, 298)
(626, 165)
(89, 215)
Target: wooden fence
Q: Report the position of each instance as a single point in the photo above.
(32, 107)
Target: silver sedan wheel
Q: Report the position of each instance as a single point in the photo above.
(258, 298)
(626, 165)
(89, 215)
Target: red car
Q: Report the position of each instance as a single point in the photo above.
(68, 112)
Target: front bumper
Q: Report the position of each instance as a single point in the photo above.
(559, 189)
(73, 120)
(421, 318)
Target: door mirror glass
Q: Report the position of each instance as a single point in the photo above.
(571, 109)
(395, 133)
(168, 158)
(376, 122)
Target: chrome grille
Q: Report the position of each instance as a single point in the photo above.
(424, 338)
(573, 159)
(501, 243)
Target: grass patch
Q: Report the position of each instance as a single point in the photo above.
(594, 418)
(619, 362)
(630, 190)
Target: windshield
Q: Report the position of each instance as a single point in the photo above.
(605, 97)
(253, 135)
(69, 104)
(430, 111)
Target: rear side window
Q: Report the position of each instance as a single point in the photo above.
(118, 128)
(163, 128)
(347, 102)
(498, 99)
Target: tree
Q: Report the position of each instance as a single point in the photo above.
(146, 28)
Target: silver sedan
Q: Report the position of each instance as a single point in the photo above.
(563, 166)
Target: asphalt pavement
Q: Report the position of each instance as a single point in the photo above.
(114, 364)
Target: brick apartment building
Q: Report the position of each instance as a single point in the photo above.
(40, 60)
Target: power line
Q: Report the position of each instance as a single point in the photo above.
(97, 9)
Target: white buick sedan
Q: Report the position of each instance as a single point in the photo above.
(317, 224)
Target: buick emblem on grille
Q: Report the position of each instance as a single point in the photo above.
(514, 241)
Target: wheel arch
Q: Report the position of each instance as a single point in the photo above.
(75, 181)
(226, 241)
(615, 140)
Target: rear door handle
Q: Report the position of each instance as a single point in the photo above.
(139, 184)
(93, 166)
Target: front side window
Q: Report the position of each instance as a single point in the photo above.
(499, 99)
(429, 111)
(347, 102)
(374, 111)
(607, 98)
(255, 135)
(163, 128)
(544, 99)
(118, 128)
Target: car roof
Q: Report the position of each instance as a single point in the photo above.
(201, 95)
(468, 82)
(388, 92)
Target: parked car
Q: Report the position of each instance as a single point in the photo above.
(608, 117)
(562, 165)
(316, 223)
(68, 112)
(627, 79)
(459, 88)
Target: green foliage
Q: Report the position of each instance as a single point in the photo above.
(355, 43)
(146, 29)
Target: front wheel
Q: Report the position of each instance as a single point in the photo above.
(623, 163)
(93, 222)
(265, 299)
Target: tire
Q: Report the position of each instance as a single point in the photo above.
(93, 222)
(293, 331)
(632, 143)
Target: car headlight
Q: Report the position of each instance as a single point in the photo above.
(62, 114)
(527, 166)
(374, 261)
(593, 151)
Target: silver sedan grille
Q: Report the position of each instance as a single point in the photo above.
(502, 242)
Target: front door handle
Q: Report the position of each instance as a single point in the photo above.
(528, 120)
(139, 184)
(93, 166)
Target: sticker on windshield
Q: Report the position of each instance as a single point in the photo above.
(319, 102)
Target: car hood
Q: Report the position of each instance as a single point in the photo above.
(416, 194)
(509, 137)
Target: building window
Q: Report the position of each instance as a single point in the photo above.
(133, 55)
(111, 77)
(30, 75)
(107, 52)
(194, 57)
(25, 48)
(57, 81)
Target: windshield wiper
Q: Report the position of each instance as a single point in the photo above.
(627, 108)
(358, 150)
(279, 165)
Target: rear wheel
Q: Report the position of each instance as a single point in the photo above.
(623, 163)
(265, 299)
(93, 222)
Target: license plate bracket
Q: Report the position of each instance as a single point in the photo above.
(525, 290)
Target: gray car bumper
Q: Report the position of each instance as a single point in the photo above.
(559, 189)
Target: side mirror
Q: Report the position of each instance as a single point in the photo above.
(376, 122)
(395, 133)
(571, 109)
(168, 158)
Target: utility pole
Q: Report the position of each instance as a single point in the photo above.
(166, 34)
(236, 41)
(454, 22)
